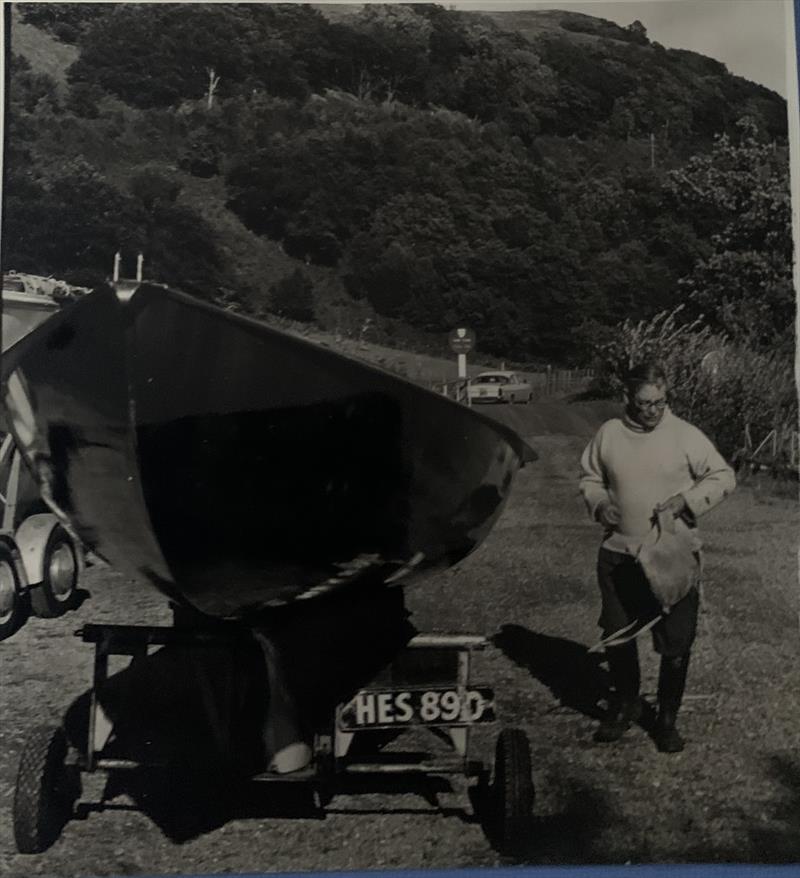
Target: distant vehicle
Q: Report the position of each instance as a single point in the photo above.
(40, 563)
(499, 387)
(29, 300)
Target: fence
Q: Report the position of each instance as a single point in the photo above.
(777, 453)
(554, 381)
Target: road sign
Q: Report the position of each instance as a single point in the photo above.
(462, 340)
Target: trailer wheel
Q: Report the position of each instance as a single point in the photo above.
(12, 604)
(511, 792)
(46, 790)
(58, 590)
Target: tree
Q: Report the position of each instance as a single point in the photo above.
(66, 21)
(152, 186)
(201, 154)
(392, 52)
(638, 32)
(67, 219)
(738, 196)
(83, 100)
(27, 89)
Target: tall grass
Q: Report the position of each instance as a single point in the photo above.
(720, 385)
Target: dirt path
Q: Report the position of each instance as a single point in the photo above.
(733, 795)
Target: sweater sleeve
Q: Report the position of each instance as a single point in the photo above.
(593, 484)
(713, 477)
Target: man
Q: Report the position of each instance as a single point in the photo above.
(647, 462)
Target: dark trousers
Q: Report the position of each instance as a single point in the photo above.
(627, 598)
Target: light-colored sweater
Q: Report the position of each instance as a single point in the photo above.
(638, 469)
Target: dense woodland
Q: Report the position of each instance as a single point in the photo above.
(538, 176)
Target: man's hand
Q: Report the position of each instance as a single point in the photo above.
(676, 506)
(608, 514)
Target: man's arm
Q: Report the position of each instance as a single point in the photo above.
(592, 484)
(714, 478)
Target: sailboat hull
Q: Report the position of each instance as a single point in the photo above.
(235, 467)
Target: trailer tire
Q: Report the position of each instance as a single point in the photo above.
(511, 793)
(45, 792)
(13, 606)
(58, 591)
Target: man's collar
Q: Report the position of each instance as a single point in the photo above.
(639, 428)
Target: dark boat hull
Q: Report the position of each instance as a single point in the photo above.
(236, 467)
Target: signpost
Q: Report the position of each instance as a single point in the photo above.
(462, 341)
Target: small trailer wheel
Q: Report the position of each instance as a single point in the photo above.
(58, 590)
(45, 792)
(511, 792)
(13, 606)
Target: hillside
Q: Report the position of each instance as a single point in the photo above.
(538, 25)
(44, 52)
(408, 168)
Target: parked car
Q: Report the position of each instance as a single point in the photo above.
(40, 563)
(29, 300)
(499, 387)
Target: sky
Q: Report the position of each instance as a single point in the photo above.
(748, 36)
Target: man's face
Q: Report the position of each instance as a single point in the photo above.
(647, 405)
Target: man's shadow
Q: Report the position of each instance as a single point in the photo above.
(568, 669)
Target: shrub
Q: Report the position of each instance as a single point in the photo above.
(152, 186)
(83, 100)
(293, 297)
(200, 157)
(743, 390)
(677, 345)
(723, 387)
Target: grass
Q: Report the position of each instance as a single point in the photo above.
(732, 796)
(537, 595)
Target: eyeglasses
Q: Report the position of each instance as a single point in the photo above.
(644, 404)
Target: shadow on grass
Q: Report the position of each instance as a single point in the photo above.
(570, 836)
(185, 805)
(772, 845)
(79, 599)
(567, 669)
(193, 793)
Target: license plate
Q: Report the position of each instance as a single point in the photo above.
(390, 708)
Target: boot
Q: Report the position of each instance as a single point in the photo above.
(671, 684)
(625, 706)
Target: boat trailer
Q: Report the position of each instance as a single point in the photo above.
(428, 687)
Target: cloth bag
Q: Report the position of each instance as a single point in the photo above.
(669, 561)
